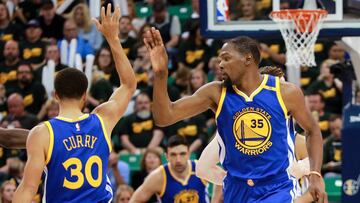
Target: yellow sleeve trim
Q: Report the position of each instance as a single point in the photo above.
(107, 138)
(279, 97)
(51, 141)
(221, 101)
(164, 181)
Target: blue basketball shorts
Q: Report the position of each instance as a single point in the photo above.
(279, 189)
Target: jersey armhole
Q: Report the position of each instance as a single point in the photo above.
(221, 100)
(202, 180)
(107, 138)
(51, 142)
(164, 181)
(279, 97)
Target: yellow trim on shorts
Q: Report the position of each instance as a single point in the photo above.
(51, 141)
(221, 101)
(107, 138)
(164, 181)
(279, 97)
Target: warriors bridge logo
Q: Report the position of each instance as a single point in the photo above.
(252, 130)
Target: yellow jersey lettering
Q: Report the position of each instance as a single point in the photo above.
(79, 141)
(65, 142)
(87, 141)
(93, 140)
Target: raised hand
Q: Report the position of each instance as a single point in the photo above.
(109, 25)
(157, 51)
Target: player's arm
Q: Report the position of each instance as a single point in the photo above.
(207, 167)
(36, 152)
(153, 184)
(217, 194)
(13, 138)
(112, 110)
(295, 104)
(166, 112)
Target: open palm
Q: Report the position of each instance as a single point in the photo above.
(156, 49)
(109, 25)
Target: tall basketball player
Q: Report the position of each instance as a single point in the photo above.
(74, 147)
(253, 116)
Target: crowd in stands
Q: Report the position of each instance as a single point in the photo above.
(33, 35)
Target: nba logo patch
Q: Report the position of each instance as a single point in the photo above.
(77, 127)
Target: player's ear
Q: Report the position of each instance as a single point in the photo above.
(248, 59)
(56, 96)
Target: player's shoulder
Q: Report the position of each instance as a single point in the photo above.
(212, 89)
(290, 90)
(38, 135)
(156, 180)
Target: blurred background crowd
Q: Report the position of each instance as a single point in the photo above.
(34, 35)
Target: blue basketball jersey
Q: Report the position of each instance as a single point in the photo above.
(193, 190)
(256, 133)
(77, 161)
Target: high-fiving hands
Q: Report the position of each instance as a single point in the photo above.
(157, 50)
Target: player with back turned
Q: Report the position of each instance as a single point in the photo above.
(253, 114)
(73, 148)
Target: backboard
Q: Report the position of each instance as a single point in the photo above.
(230, 18)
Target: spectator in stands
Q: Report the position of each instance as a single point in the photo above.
(142, 67)
(86, 29)
(18, 117)
(194, 130)
(100, 90)
(104, 62)
(194, 18)
(317, 104)
(10, 63)
(136, 22)
(83, 47)
(49, 110)
(32, 48)
(127, 42)
(248, 10)
(138, 129)
(357, 97)
(332, 148)
(33, 92)
(169, 26)
(52, 52)
(149, 162)
(214, 70)
(329, 87)
(124, 193)
(194, 53)
(3, 107)
(336, 52)
(8, 30)
(51, 23)
(197, 79)
(7, 191)
(142, 31)
(181, 82)
(28, 9)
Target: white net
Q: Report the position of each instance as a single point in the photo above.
(299, 29)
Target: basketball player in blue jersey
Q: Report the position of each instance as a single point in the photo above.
(176, 181)
(253, 114)
(73, 148)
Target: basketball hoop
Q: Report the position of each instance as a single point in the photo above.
(299, 29)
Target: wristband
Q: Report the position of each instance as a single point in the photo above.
(315, 173)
